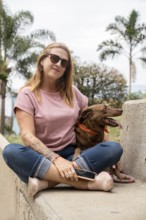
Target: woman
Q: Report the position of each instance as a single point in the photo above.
(46, 109)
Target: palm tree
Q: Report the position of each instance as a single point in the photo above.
(143, 58)
(129, 35)
(18, 47)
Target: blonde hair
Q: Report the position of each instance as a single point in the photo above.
(64, 83)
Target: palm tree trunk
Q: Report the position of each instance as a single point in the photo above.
(130, 75)
(3, 94)
(130, 70)
(12, 113)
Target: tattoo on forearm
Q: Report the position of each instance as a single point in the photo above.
(38, 146)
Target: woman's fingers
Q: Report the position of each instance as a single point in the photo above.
(62, 174)
(72, 170)
(67, 169)
(71, 174)
(75, 165)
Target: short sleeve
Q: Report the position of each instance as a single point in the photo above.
(81, 99)
(24, 101)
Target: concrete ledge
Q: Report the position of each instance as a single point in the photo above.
(126, 201)
(7, 187)
(133, 138)
(15, 202)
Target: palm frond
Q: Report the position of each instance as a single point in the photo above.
(22, 20)
(143, 60)
(109, 49)
(25, 66)
(41, 33)
(108, 54)
(109, 43)
(118, 27)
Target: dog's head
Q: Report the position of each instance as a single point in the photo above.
(100, 114)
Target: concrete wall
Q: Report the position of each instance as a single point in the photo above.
(15, 204)
(133, 138)
(7, 188)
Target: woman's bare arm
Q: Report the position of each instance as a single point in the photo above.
(27, 130)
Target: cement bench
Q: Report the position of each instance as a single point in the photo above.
(65, 203)
(15, 203)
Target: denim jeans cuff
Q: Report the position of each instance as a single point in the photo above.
(81, 162)
(43, 168)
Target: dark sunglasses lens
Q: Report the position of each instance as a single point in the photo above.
(64, 63)
(54, 58)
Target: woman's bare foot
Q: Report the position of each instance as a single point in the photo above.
(36, 185)
(103, 181)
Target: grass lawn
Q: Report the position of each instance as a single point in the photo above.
(114, 133)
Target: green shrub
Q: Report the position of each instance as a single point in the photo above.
(14, 139)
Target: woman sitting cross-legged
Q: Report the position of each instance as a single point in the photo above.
(47, 108)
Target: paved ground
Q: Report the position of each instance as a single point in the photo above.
(125, 202)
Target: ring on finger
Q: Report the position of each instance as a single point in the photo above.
(72, 170)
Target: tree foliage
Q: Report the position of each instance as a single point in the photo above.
(19, 47)
(100, 84)
(128, 34)
(135, 96)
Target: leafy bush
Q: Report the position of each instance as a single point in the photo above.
(135, 96)
(14, 139)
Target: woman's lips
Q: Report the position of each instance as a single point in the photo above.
(57, 70)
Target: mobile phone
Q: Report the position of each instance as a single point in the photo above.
(85, 174)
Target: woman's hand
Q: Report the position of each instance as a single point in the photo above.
(66, 168)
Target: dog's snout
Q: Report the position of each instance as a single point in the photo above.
(120, 111)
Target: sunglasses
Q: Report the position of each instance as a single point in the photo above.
(55, 59)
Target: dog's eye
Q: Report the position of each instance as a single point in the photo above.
(105, 109)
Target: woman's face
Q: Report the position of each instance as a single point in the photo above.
(54, 65)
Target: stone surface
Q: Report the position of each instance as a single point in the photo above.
(133, 138)
(7, 188)
(125, 202)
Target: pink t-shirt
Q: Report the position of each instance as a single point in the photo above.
(54, 119)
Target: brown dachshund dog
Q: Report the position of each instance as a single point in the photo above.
(90, 129)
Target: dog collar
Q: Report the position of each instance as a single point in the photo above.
(89, 131)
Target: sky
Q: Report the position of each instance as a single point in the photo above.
(81, 24)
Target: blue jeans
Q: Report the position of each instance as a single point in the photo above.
(26, 162)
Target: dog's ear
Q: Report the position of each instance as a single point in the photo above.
(85, 113)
